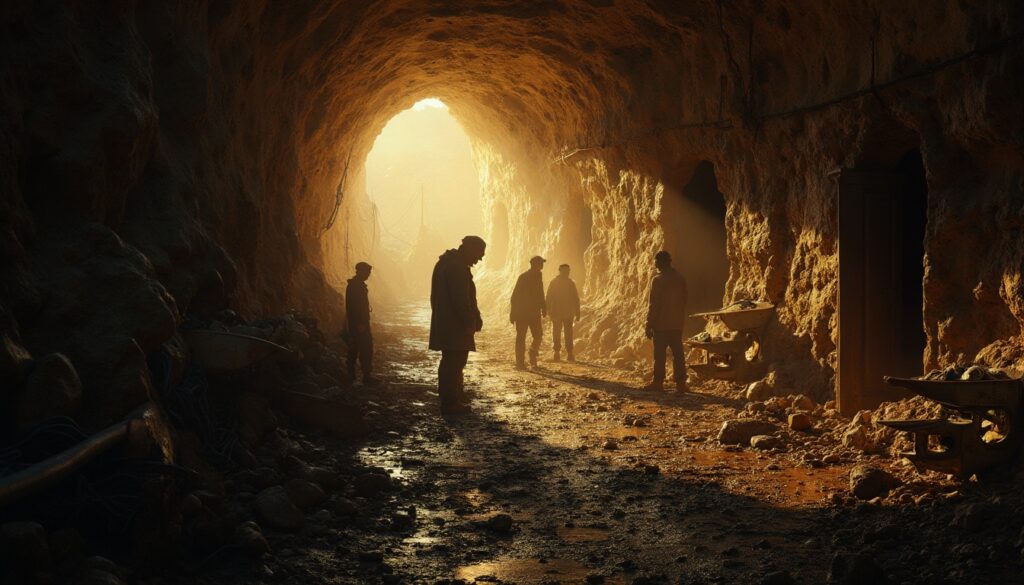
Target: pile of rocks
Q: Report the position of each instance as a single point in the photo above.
(30, 554)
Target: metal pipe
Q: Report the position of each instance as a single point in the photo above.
(51, 471)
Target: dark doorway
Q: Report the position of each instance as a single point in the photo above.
(694, 224)
(882, 219)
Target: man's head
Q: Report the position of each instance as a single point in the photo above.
(537, 263)
(563, 270)
(363, 270)
(662, 260)
(472, 249)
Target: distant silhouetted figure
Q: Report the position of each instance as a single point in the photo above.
(454, 320)
(357, 307)
(666, 315)
(563, 303)
(528, 310)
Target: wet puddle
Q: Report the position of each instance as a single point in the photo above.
(528, 571)
(573, 534)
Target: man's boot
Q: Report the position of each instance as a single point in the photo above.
(558, 356)
(681, 385)
(570, 358)
(655, 386)
(533, 359)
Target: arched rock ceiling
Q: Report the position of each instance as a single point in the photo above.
(543, 75)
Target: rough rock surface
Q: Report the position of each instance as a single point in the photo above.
(178, 159)
(740, 431)
(867, 482)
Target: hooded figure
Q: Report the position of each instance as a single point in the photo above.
(454, 319)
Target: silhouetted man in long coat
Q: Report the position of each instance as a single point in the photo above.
(666, 315)
(455, 319)
(357, 309)
(563, 303)
(528, 309)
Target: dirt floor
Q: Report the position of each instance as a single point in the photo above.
(572, 474)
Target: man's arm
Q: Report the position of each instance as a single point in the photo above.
(515, 300)
(460, 293)
(540, 297)
(653, 306)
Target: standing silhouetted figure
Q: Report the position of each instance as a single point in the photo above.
(357, 307)
(528, 310)
(666, 315)
(563, 304)
(454, 320)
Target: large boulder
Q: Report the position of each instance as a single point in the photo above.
(740, 431)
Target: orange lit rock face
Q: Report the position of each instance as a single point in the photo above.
(211, 140)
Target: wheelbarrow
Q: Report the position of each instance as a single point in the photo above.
(986, 432)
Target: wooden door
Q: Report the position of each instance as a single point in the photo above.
(870, 290)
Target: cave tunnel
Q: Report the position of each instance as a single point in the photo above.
(244, 338)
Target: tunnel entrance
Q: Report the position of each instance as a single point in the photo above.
(694, 224)
(421, 178)
(882, 219)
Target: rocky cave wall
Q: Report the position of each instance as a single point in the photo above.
(163, 160)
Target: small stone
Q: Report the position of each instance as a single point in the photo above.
(610, 445)
(275, 509)
(777, 578)
(868, 482)
(324, 477)
(799, 421)
(92, 576)
(371, 556)
(855, 438)
(500, 523)
(370, 484)
(304, 494)
(831, 459)
(855, 569)
(802, 402)
(346, 508)
(765, 442)
(250, 538)
(972, 517)
(759, 391)
(23, 547)
(739, 432)
(191, 506)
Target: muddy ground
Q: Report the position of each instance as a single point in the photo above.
(572, 474)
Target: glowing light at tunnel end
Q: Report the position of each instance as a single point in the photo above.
(429, 103)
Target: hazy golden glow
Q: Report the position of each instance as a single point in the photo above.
(421, 177)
